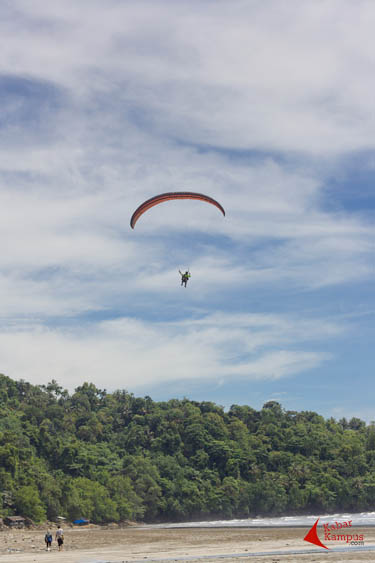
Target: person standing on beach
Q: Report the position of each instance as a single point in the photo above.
(48, 540)
(60, 537)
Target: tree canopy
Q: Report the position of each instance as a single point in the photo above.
(114, 456)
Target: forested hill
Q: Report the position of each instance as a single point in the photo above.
(113, 456)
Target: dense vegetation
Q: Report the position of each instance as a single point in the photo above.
(111, 457)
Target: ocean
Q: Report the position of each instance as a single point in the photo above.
(358, 519)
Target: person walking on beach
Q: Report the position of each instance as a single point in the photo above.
(60, 538)
(48, 540)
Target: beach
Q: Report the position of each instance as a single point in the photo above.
(99, 544)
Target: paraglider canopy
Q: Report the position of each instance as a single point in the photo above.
(170, 196)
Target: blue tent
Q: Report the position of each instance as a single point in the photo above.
(81, 521)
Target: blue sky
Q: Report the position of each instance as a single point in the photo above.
(264, 106)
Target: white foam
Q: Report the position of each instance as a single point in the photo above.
(358, 519)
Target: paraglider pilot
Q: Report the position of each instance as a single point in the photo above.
(184, 277)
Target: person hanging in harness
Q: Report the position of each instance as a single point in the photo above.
(185, 277)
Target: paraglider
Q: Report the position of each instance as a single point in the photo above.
(170, 196)
(146, 205)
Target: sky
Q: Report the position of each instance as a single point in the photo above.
(266, 106)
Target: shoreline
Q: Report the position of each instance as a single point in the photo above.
(135, 544)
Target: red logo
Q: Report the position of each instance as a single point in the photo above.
(312, 536)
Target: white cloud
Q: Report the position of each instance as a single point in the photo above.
(287, 77)
(128, 353)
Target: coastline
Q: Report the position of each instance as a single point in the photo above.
(134, 544)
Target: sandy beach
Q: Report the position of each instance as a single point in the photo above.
(98, 544)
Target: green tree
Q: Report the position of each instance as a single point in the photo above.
(27, 503)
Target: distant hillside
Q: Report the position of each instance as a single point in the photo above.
(113, 456)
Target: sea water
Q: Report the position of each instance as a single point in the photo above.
(358, 519)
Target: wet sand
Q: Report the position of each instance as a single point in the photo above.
(97, 544)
